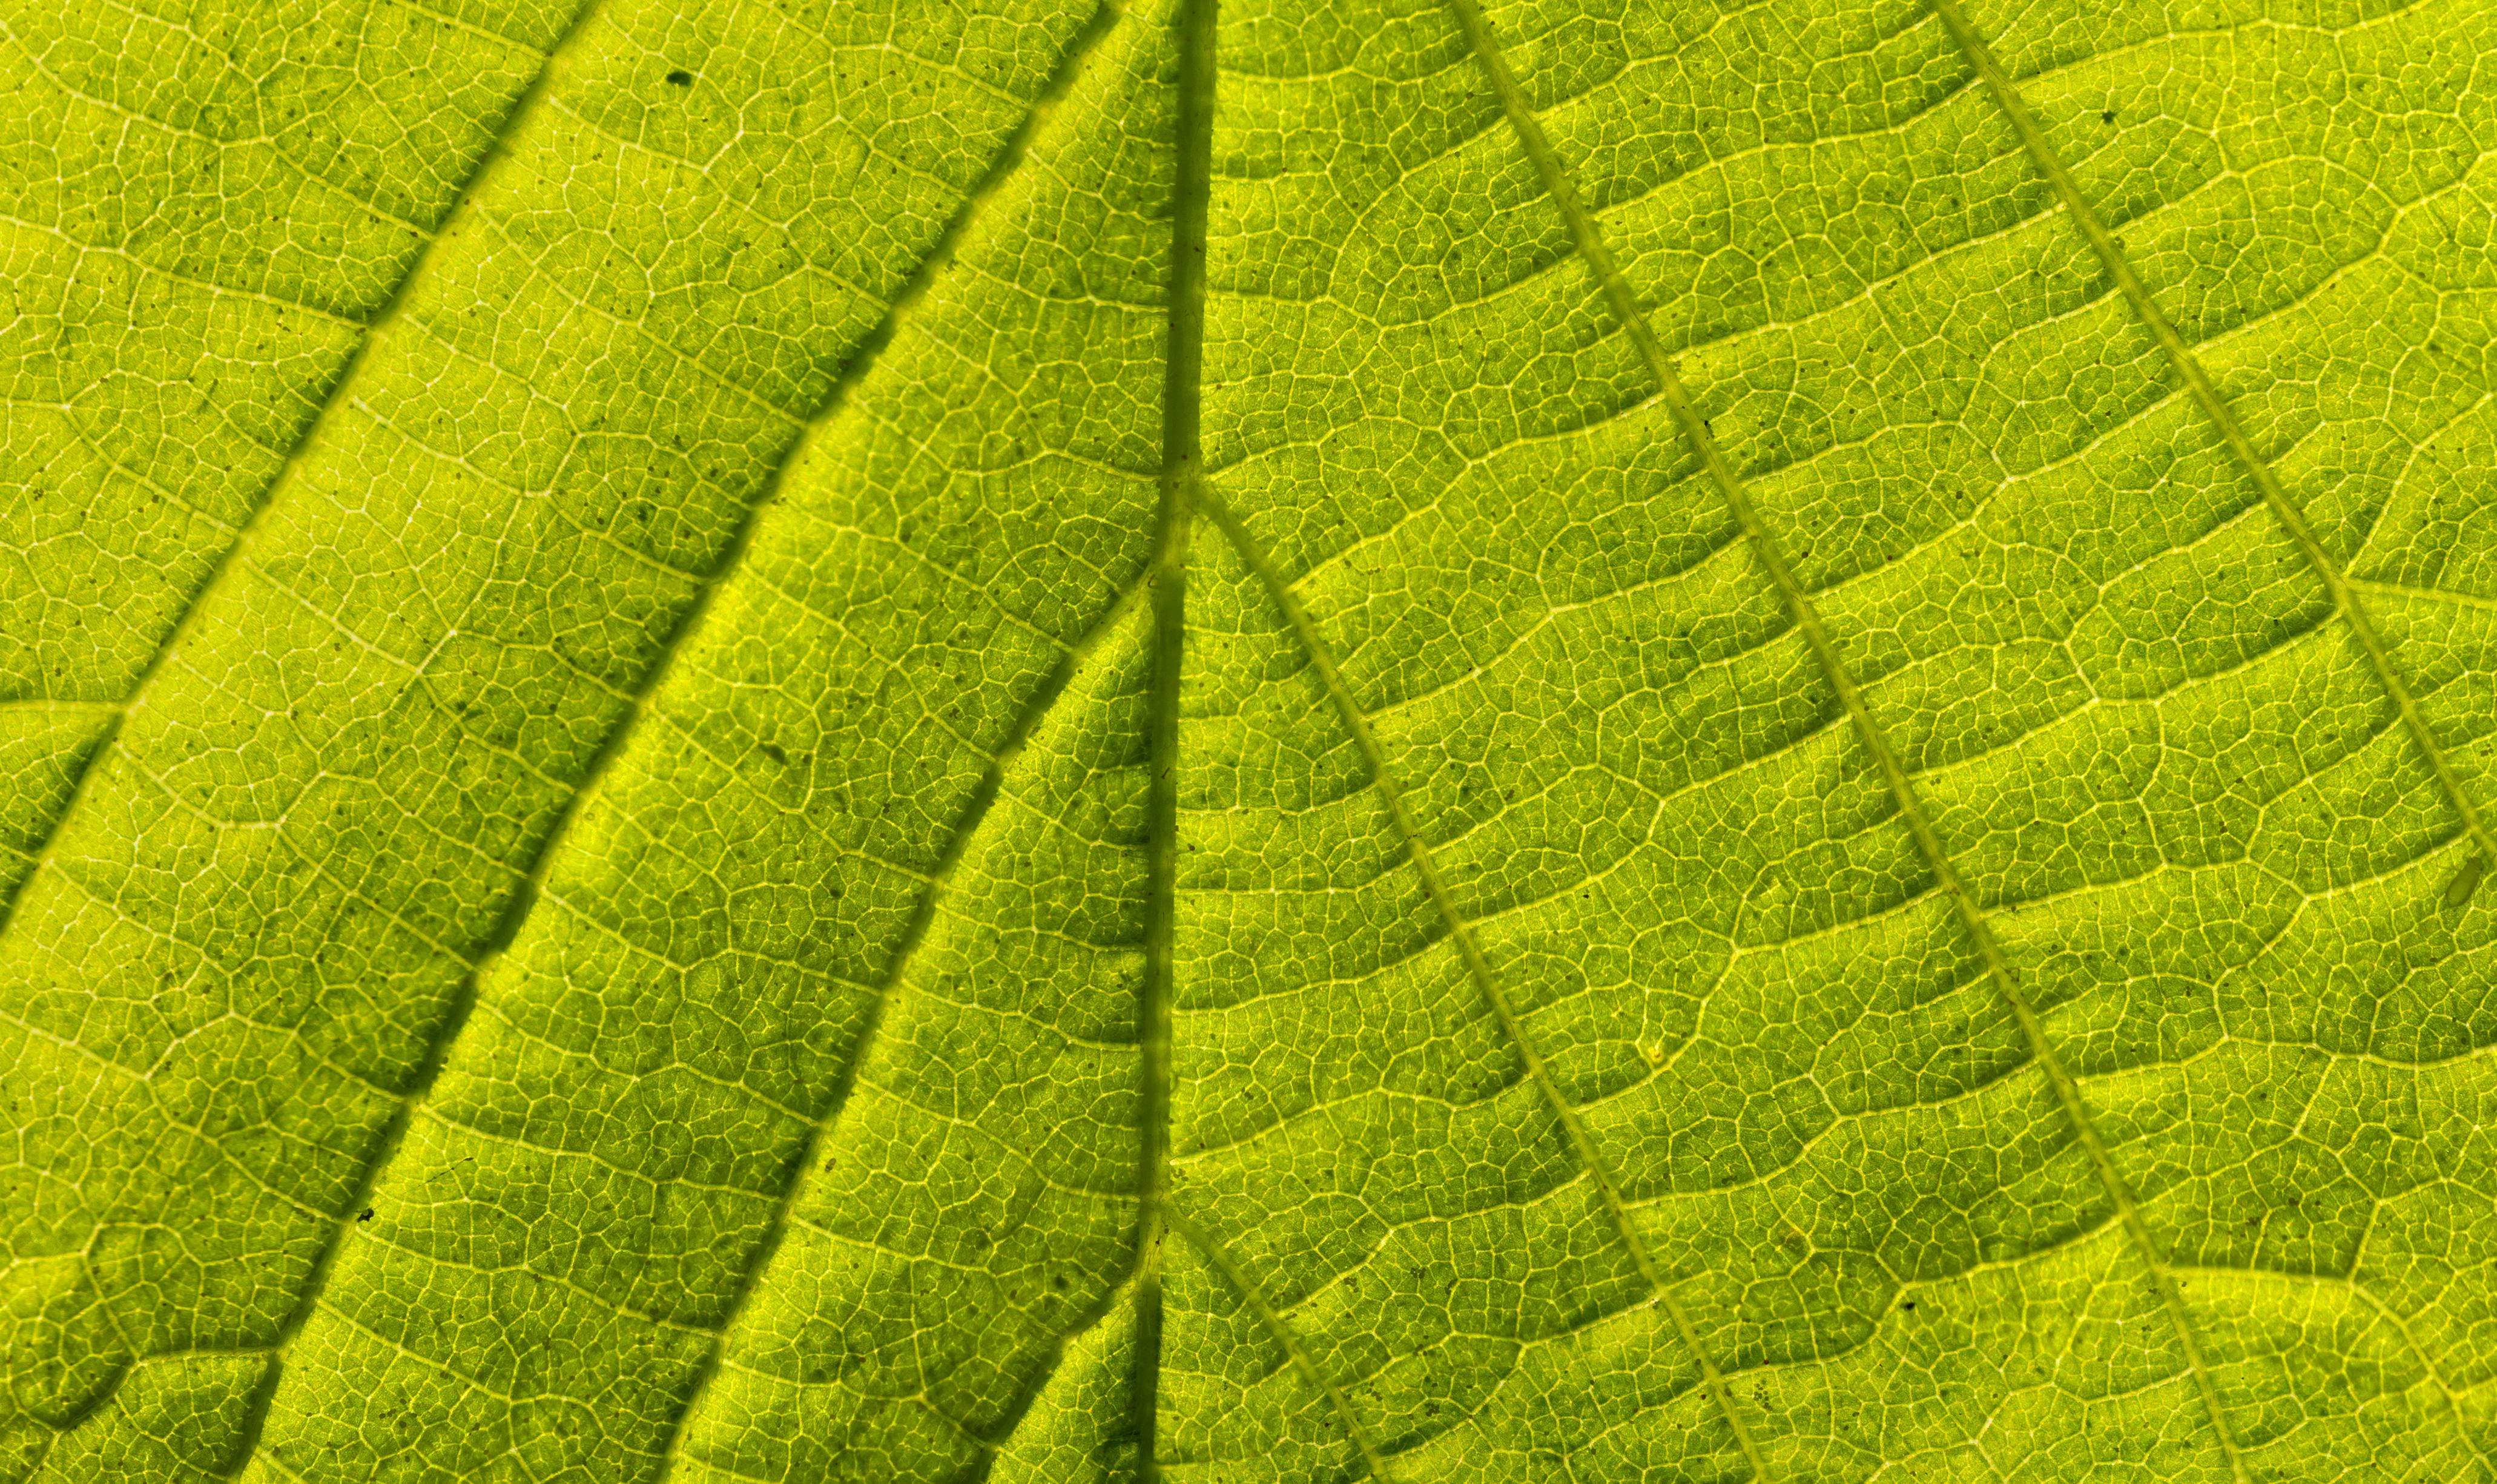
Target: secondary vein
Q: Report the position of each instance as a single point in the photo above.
(1582, 230)
(232, 558)
(2207, 395)
(1281, 1331)
(1478, 969)
(1721, 473)
(532, 887)
(227, 562)
(1002, 166)
(984, 796)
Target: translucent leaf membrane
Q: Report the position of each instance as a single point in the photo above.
(1722, 744)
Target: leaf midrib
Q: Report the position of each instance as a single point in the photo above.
(1183, 472)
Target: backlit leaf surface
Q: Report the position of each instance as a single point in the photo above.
(939, 740)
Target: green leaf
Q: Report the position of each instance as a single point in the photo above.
(957, 738)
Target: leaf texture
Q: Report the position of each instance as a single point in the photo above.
(948, 739)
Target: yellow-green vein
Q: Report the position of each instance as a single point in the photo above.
(1281, 1331)
(236, 550)
(1181, 474)
(1478, 969)
(2207, 395)
(1720, 472)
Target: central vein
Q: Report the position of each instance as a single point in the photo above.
(1184, 359)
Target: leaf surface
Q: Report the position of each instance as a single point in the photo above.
(1608, 741)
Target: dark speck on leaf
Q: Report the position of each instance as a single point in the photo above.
(681, 79)
(368, 1216)
(1910, 1304)
(2106, 117)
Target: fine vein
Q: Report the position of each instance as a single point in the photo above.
(231, 557)
(2207, 395)
(1182, 475)
(1582, 228)
(1477, 968)
(1280, 1330)
(1826, 656)
(975, 810)
(1002, 166)
(524, 897)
